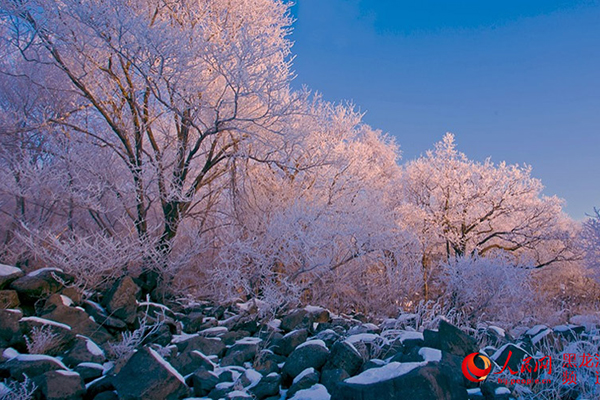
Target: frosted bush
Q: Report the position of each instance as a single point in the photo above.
(487, 287)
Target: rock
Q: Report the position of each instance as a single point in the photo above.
(192, 352)
(267, 386)
(400, 381)
(304, 380)
(193, 322)
(98, 386)
(39, 283)
(208, 346)
(318, 391)
(344, 356)
(266, 362)
(147, 375)
(107, 396)
(312, 354)
(203, 382)
(9, 274)
(455, 341)
(330, 378)
(99, 315)
(318, 314)
(10, 331)
(513, 353)
(80, 323)
(121, 300)
(60, 385)
(9, 299)
(289, 342)
(242, 351)
(329, 336)
(297, 319)
(431, 339)
(31, 365)
(84, 351)
(62, 337)
(89, 371)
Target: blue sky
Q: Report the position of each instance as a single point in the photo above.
(514, 80)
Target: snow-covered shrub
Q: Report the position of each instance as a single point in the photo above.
(490, 288)
(41, 340)
(18, 390)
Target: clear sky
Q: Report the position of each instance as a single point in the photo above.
(517, 80)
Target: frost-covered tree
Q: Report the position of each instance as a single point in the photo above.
(172, 90)
(463, 208)
(591, 240)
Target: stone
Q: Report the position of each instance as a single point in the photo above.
(107, 396)
(31, 365)
(400, 381)
(203, 382)
(80, 323)
(89, 371)
(267, 386)
(305, 380)
(330, 378)
(10, 331)
(289, 342)
(208, 346)
(101, 385)
(238, 354)
(455, 341)
(61, 385)
(9, 299)
(312, 354)
(9, 274)
(297, 319)
(345, 356)
(266, 362)
(40, 283)
(63, 336)
(511, 352)
(121, 300)
(84, 351)
(147, 375)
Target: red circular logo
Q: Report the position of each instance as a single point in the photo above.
(472, 372)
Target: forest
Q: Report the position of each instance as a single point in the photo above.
(164, 139)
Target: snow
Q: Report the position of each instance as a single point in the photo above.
(205, 357)
(274, 324)
(87, 385)
(214, 331)
(501, 349)
(41, 357)
(253, 376)
(407, 317)
(540, 336)
(314, 309)
(224, 385)
(67, 373)
(474, 392)
(371, 327)
(499, 331)
(165, 364)
(430, 355)
(12, 310)
(405, 335)
(302, 374)
(183, 337)
(363, 337)
(93, 348)
(91, 365)
(39, 271)
(316, 392)
(7, 270)
(96, 306)
(45, 321)
(564, 328)
(9, 353)
(316, 342)
(502, 390)
(238, 393)
(389, 371)
(249, 340)
(535, 330)
(66, 301)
